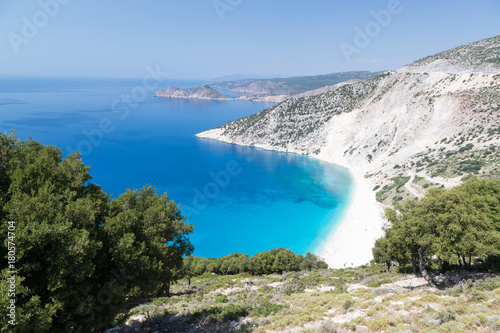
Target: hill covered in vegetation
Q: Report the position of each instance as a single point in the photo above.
(361, 299)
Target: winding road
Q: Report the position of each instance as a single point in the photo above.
(428, 178)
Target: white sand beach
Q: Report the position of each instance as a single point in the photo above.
(351, 243)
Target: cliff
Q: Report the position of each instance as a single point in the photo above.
(428, 124)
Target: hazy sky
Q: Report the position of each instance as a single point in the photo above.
(209, 38)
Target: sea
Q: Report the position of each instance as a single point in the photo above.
(239, 199)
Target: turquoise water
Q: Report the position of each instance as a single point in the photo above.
(239, 199)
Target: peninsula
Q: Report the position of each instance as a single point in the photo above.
(203, 92)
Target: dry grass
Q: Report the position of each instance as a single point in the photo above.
(263, 305)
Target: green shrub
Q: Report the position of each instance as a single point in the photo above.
(221, 299)
(348, 303)
(480, 296)
(482, 317)
(378, 283)
(488, 284)
(266, 308)
(446, 314)
(359, 320)
(378, 324)
(234, 312)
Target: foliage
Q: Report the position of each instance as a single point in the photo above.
(398, 182)
(147, 240)
(472, 306)
(78, 253)
(455, 226)
(267, 262)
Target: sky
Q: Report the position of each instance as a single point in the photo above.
(203, 39)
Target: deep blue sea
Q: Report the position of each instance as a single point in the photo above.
(239, 199)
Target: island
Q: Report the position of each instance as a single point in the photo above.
(202, 92)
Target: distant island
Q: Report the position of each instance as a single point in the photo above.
(270, 90)
(203, 92)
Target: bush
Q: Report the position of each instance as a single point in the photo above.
(482, 317)
(221, 299)
(487, 284)
(378, 283)
(266, 308)
(481, 296)
(234, 312)
(378, 324)
(494, 322)
(348, 303)
(327, 326)
(447, 314)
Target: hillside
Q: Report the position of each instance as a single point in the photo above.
(283, 88)
(428, 124)
(362, 299)
(203, 92)
(480, 56)
(395, 123)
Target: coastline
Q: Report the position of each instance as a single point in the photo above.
(350, 243)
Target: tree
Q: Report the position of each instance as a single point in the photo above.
(312, 262)
(77, 251)
(401, 241)
(453, 225)
(56, 213)
(148, 240)
(382, 252)
(285, 260)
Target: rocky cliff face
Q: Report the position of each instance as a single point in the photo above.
(203, 92)
(438, 118)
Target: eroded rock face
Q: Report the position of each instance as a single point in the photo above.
(435, 105)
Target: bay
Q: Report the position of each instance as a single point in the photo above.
(239, 199)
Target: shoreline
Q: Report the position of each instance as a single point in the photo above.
(350, 243)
